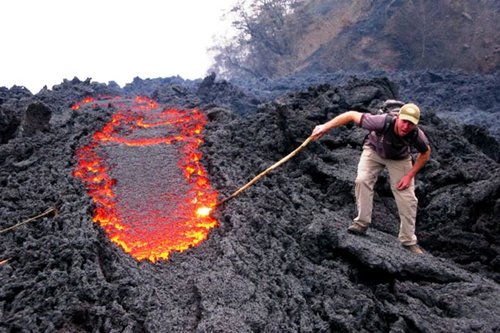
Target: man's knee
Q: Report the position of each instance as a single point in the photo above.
(365, 180)
(406, 199)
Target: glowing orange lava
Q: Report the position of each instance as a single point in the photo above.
(154, 222)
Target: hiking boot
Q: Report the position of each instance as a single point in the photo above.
(357, 229)
(414, 248)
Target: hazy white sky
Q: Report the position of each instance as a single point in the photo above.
(46, 41)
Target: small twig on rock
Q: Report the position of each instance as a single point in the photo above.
(47, 212)
(4, 261)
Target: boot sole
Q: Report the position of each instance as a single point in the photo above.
(356, 232)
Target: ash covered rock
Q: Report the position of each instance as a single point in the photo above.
(223, 93)
(147, 87)
(9, 122)
(280, 259)
(207, 93)
(14, 93)
(299, 214)
(13, 105)
(466, 98)
(36, 119)
(481, 138)
(63, 95)
(455, 164)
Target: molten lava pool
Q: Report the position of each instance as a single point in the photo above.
(143, 172)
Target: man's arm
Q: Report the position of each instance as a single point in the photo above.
(341, 119)
(422, 158)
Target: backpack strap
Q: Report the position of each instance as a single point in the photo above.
(414, 135)
(389, 120)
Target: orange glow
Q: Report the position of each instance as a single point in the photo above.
(86, 100)
(148, 231)
(203, 211)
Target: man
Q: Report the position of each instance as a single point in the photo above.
(387, 146)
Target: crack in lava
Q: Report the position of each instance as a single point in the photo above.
(142, 170)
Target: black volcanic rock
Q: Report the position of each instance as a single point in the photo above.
(280, 261)
(36, 119)
(16, 92)
(63, 95)
(481, 138)
(223, 93)
(9, 123)
(147, 87)
(296, 219)
(469, 99)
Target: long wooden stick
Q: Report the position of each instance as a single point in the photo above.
(272, 167)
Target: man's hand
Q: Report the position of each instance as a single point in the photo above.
(340, 120)
(319, 131)
(404, 183)
(422, 158)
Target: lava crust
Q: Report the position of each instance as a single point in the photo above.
(280, 259)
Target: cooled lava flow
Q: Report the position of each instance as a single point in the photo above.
(143, 172)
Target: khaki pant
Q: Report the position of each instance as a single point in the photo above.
(369, 168)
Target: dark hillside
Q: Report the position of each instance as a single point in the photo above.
(412, 35)
(280, 259)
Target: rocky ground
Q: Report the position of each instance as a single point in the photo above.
(280, 260)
